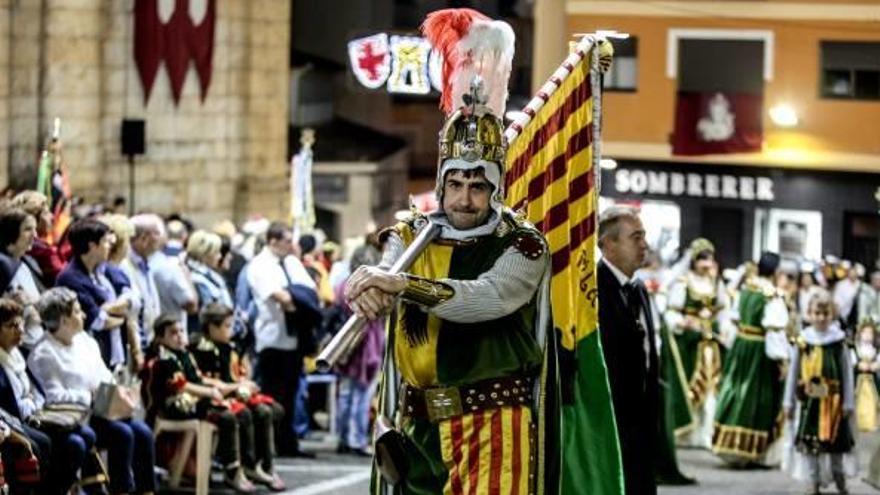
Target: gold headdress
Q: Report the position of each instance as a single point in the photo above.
(701, 244)
(477, 55)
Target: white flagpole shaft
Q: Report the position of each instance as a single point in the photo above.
(596, 95)
(528, 113)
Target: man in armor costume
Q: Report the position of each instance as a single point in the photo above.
(696, 306)
(462, 333)
(748, 417)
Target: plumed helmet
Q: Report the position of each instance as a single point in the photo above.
(477, 55)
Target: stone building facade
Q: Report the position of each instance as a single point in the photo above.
(224, 157)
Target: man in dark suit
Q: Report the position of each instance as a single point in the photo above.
(627, 330)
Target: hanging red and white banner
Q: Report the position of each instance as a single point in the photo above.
(407, 64)
(176, 32)
(370, 59)
(715, 122)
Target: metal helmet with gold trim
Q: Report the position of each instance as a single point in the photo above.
(477, 55)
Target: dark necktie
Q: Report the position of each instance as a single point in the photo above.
(634, 305)
(633, 300)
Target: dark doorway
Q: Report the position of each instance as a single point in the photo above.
(861, 238)
(328, 221)
(724, 227)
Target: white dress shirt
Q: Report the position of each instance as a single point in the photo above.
(265, 277)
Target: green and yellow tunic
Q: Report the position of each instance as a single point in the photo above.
(695, 354)
(484, 330)
(748, 416)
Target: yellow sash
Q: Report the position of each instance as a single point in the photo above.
(418, 363)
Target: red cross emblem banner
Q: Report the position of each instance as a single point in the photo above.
(174, 32)
(370, 60)
(408, 64)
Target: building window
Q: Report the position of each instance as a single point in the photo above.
(623, 75)
(851, 70)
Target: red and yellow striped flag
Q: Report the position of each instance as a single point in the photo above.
(550, 175)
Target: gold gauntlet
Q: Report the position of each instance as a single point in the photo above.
(425, 292)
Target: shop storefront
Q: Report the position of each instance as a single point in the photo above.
(802, 214)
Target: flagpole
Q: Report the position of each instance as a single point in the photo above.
(543, 95)
(596, 95)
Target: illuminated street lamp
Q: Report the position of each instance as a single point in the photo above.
(608, 163)
(784, 115)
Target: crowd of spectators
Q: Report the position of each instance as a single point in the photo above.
(171, 321)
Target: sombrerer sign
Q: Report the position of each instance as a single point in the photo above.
(741, 187)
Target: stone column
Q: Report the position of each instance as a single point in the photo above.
(72, 87)
(266, 83)
(551, 40)
(22, 73)
(5, 84)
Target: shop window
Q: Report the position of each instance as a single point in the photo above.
(851, 70)
(794, 234)
(623, 75)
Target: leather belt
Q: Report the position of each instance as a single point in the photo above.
(751, 331)
(439, 403)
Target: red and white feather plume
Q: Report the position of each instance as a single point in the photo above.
(471, 45)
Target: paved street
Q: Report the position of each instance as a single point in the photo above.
(329, 473)
(347, 475)
(334, 474)
(716, 479)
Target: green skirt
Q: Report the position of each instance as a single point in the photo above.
(666, 470)
(675, 375)
(748, 416)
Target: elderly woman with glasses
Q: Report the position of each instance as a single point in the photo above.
(68, 365)
(61, 453)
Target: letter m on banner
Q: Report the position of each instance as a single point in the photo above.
(552, 175)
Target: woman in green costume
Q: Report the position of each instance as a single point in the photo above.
(748, 417)
(666, 470)
(697, 305)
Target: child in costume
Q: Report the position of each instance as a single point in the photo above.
(218, 359)
(867, 363)
(174, 388)
(819, 399)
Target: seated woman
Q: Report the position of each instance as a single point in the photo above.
(203, 258)
(175, 389)
(22, 459)
(89, 276)
(217, 358)
(68, 365)
(44, 253)
(123, 230)
(19, 277)
(21, 397)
